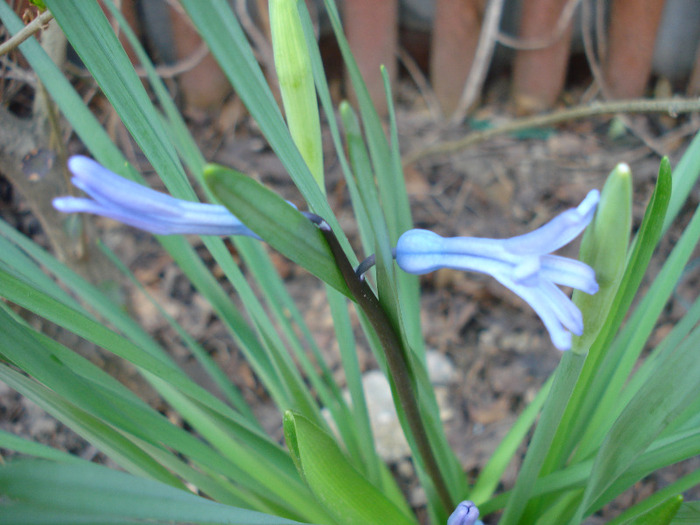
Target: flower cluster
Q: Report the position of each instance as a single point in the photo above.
(524, 264)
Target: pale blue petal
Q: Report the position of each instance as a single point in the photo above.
(558, 232)
(422, 251)
(466, 513)
(566, 311)
(107, 187)
(569, 272)
(544, 307)
(142, 207)
(527, 270)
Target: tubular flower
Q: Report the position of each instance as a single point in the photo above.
(466, 513)
(136, 205)
(524, 264)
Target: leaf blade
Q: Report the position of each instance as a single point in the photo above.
(278, 223)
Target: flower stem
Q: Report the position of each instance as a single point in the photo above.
(396, 359)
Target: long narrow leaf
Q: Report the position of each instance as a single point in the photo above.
(662, 398)
(283, 227)
(41, 492)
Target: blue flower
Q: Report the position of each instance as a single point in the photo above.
(139, 206)
(466, 513)
(524, 264)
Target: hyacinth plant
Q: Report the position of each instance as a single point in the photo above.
(604, 420)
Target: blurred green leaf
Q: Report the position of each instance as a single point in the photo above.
(340, 488)
(688, 514)
(685, 175)
(41, 492)
(662, 514)
(105, 437)
(19, 444)
(658, 402)
(93, 38)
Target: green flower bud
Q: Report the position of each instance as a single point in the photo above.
(296, 80)
(604, 248)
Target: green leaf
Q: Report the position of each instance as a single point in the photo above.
(563, 384)
(40, 492)
(30, 448)
(665, 451)
(293, 66)
(662, 514)
(222, 32)
(688, 514)
(604, 248)
(234, 396)
(278, 223)
(657, 403)
(684, 177)
(104, 437)
(91, 35)
(606, 372)
(588, 413)
(574, 478)
(340, 488)
(490, 475)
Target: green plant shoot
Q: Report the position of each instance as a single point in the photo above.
(296, 81)
(604, 248)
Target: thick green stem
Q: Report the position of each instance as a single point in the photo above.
(396, 359)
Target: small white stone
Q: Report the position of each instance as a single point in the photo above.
(440, 368)
(388, 435)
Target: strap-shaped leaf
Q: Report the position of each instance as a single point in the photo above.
(662, 514)
(40, 492)
(278, 223)
(339, 487)
(658, 402)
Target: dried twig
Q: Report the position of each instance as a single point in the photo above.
(30, 29)
(261, 42)
(422, 83)
(482, 60)
(672, 106)
(10, 71)
(181, 66)
(542, 42)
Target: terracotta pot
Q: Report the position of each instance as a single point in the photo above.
(539, 74)
(372, 30)
(454, 41)
(631, 38)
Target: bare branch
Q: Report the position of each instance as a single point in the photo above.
(30, 29)
(540, 43)
(482, 60)
(671, 106)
